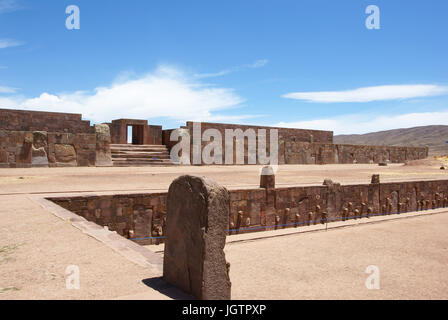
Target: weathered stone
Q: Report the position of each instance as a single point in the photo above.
(197, 225)
(375, 178)
(103, 140)
(40, 139)
(39, 157)
(24, 152)
(267, 178)
(65, 154)
(4, 155)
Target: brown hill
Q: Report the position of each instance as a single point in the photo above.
(435, 137)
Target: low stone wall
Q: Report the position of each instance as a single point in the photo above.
(134, 216)
(141, 217)
(23, 149)
(299, 146)
(324, 153)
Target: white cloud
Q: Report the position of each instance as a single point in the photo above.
(6, 43)
(358, 124)
(166, 92)
(7, 90)
(214, 74)
(8, 5)
(368, 94)
(256, 64)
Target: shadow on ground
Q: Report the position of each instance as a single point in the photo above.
(159, 285)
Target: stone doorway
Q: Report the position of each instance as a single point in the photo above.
(135, 134)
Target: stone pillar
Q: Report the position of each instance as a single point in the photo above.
(374, 195)
(103, 140)
(267, 178)
(196, 229)
(333, 199)
(267, 181)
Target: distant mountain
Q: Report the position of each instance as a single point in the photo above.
(435, 137)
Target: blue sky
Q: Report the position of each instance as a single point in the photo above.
(310, 64)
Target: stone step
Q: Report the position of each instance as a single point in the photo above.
(141, 156)
(140, 153)
(137, 146)
(127, 155)
(126, 163)
(140, 149)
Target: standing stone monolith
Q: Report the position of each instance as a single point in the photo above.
(196, 229)
(103, 140)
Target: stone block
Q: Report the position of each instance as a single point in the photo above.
(267, 178)
(39, 157)
(195, 236)
(103, 140)
(4, 156)
(65, 154)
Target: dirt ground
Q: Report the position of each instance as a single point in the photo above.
(411, 256)
(59, 180)
(36, 247)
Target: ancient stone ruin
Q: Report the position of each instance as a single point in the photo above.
(143, 217)
(48, 139)
(197, 223)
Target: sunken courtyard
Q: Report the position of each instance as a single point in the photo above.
(144, 222)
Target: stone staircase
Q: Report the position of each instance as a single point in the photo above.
(131, 155)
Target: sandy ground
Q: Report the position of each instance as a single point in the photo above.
(36, 247)
(51, 180)
(411, 254)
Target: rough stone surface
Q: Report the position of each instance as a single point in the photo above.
(103, 140)
(65, 154)
(26, 120)
(39, 157)
(40, 139)
(298, 146)
(267, 178)
(375, 178)
(4, 156)
(197, 225)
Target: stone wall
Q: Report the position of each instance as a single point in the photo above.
(24, 120)
(298, 146)
(302, 135)
(24, 149)
(64, 139)
(134, 216)
(142, 216)
(322, 153)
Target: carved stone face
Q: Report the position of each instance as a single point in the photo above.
(39, 139)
